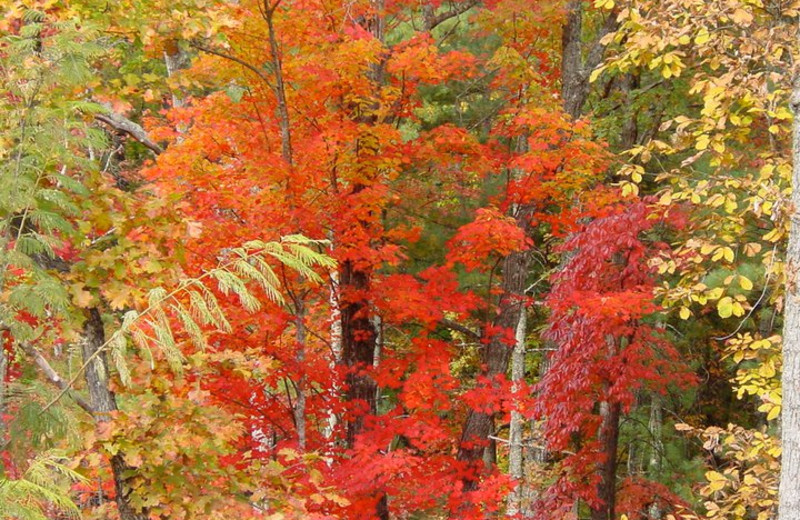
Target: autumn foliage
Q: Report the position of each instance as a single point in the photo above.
(313, 259)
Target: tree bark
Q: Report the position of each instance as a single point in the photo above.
(515, 450)
(575, 68)
(572, 88)
(358, 346)
(789, 493)
(284, 122)
(3, 373)
(655, 463)
(497, 353)
(300, 402)
(609, 439)
(175, 59)
(103, 403)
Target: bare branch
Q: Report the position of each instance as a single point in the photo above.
(452, 325)
(52, 375)
(435, 19)
(121, 123)
(249, 66)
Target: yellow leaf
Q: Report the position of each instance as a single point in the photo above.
(685, 313)
(629, 188)
(702, 37)
(727, 252)
(665, 199)
(774, 413)
(742, 17)
(702, 142)
(767, 370)
(725, 307)
(707, 248)
(752, 248)
(80, 297)
(716, 481)
(745, 283)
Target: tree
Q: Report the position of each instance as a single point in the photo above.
(790, 420)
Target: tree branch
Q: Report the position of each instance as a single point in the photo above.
(595, 54)
(53, 376)
(121, 123)
(452, 325)
(252, 68)
(435, 19)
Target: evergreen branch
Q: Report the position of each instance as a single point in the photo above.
(158, 297)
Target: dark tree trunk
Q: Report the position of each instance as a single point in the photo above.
(577, 63)
(497, 353)
(573, 93)
(630, 129)
(358, 354)
(103, 404)
(609, 439)
(358, 345)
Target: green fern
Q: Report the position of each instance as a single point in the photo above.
(194, 305)
(44, 487)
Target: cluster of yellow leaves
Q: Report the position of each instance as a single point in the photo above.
(726, 165)
(746, 487)
(759, 361)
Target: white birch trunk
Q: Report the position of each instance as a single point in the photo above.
(656, 431)
(336, 348)
(789, 494)
(515, 451)
(300, 403)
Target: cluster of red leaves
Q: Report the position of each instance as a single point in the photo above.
(609, 344)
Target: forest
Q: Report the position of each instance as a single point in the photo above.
(399, 259)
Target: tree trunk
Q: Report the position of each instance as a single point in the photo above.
(609, 439)
(656, 432)
(358, 346)
(573, 93)
(280, 90)
(3, 372)
(497, 353)
(358, 354)
(575, 68)
(175, 59)
(103, 404)
(300, 357)
(336, 354)
(515, 451)
(789, 494)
